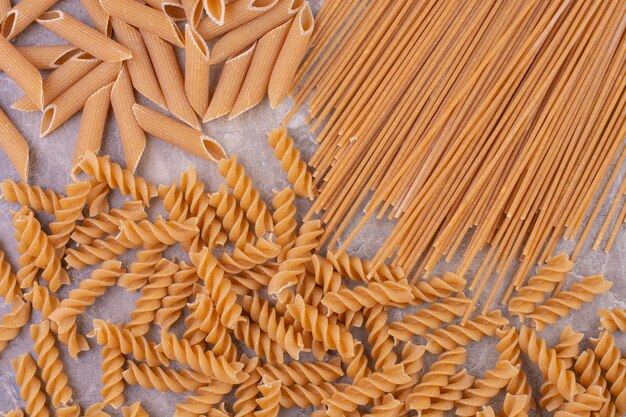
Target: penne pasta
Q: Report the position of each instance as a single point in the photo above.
(60, 80)
(174, 10)
(74, 98)
(291, 55)
(145, 18)
(196, 70)
(257, 80)
(5, 6)
(139, 66)
(240, 38)
(98, 15)
(23, 14)
(193, 11)
(92, 123)
(14, 145)
(20, 70)
(170, 78)
(178, 134)
(235, 15)
(131, 135)
(77, 33)
(229, 85)
(215, 9)
(48, 57)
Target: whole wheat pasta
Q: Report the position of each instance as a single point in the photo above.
(144, 18)
(170, 78)
(9, 287)
(291, 54)
(134, 410)
(178, 134)
(289, 156)
(30, 386)
(196, 70)
(173, 9)
(14, 146)
(13, 321)
(98, 16)
(83, 36)
(229, 85)
(257, 79)
(30, 195)
(216, 10)
(48, 57)
(243, 36)
(74, 98)
(131, 134)
(69, 213)
(5, 6)
(92, 123)
(235, 14)
(22, 15)
(193, 11)
(20, 70)
(164, 380)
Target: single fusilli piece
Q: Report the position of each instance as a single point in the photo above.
(568, 347)
(590, 373)
(249, 199)
(70, 211)
(388, 293)
(13, 321)
(72, 410)
(612, 320)
(134, 410)
(413, 361)
(389, 407)
(357, 367)
(98, 197)
(324, 273)
(51, 366)
(269, 399)
(289, 156)
(203, 401)
(257, 340)
(379, 337)
(609, 357)
(30, 386)
(473, 330)
(233, 217)
(303, 396)
(161, 231)
(508, 346)
(297, 373)
(74, 341)
(246, 393)
(86, 294)
(144, 266)
(358, 269)
(30, 195)
(164, 379)
(107, 223)
(449, 395)
(255, 278)
(215, 332)
(583, 404)
(116, 177)
(550, 398)
(99, 250)
(547, 278)
(174, 202)
(249, 256)
(177, 295)
(41, 300)
(285, 222)
(566, 301)
(9, 287)
(515, 405)
(437, 288)
(112, 378)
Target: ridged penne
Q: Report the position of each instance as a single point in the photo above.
(48, 57)
(60, 80)
(291, 55)
(75, 97)
(216, 10)
(20, 70)
(193, 11)
(89, 40)
(257, 79)
(98, 15)
(235, 14)
(229, 85)
(178, 134)
(131, 135)
(173, 9)
(239, 38)
(14, 145)
(5, 6)
(196, 70)
(23, 14)
(145, 18)
(170, 78)
(92, 123)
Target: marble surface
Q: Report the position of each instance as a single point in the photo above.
(50, 160)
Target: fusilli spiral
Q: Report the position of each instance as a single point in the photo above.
(458, 384)
(30, 195)
(375, 294)
(144, 266)
(568, 347)
(70, 211)
(485, 389)
(284, 218)
(203, 401)
(437, 288)
(233, 217)
(164, 380)
(307, 395)
(612, 320)
(390, 407)
(245, 395)
(9, 287)
(13, 321)
(289, 157)
(249, 256)
(297, 373)
(134, 410)
(99, 250)
(97, 198)
(68, 411)
(74, 341)
(358, 269)
(269, 400)
(107, 223)
(209, 322)
(508, 346)
(257, 340)
(41, 300)
(112, 378)
(161, 231)
(379, 337)
(177, 295)
(609, 357)
(30, 386)
(583, 404)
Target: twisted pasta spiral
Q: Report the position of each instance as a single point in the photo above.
(233, 217)
(257, 340)
(177, 295)
(548, 277)
(568, 347)
(614, 319)
(358, 269)
(164, 380)
(375, 294)
(284, 218)
(104, 170)
(215, 332)
(68, 411)
(41, 300)
(95, 410)
(30, 386)
(249, 256)
(13, 321)
(516, 405)
(583, 404)
(332, 335)
(30, 195)
(413, 361)
(112, 376)
(245, 395)
(508, 346)
(9, 287)
(107, 223)
(248, 196)
(589, 370)
(16, 412)
(609, 357)
(144, 266)
(289, 157)
(99, 250)
(431, 318)
(27, 274)
(486, 388)
(461, 335)
(134, 410)
(174, 202)
(324, 273)
(255, 278)
(97, 198)
(70, 211)
(50, 364)
(450, 394)
(74, 341)
(566, 301)
(204, 401)
(379, 338)
(114, 336)
(304, 396)
(203, 361)
(550, 397)
(161, 231)
(357, 367)
(297, 373)
(390, 407)
(437, 287)
(85, 295)
(269, 401)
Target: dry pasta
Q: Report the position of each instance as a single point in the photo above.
(92, 123)
(97, 15)
(22, 15)
(289, 157)
(193, 11)
(216, 10)
(235, 14)
(197, 71)
(21, 71)
(13, 321)
(30, 386)
(48, 57)
(14, 146)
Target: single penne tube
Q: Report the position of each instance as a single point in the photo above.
(174, 10)
(216, 10)
(48, 57)
(228, 87)
(98, 15)
(240, 38)
(131, 134)
(291, 55)
(257, 80)
(89, 40)
(145, 18)
(20, 70)
(196, 70)
(170, 78)
(5, 6)
(139, 66)
(235, 15)
(92, 123)
(193, 11)
(14, 145)
(178, 134)
(74, 98)
(60, 80)
(23, 14)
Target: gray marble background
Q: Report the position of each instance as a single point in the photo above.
(50, 160)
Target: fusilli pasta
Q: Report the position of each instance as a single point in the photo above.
(13, 321)
(164, 380)
(284, 218)
(612, 320)
(289, 157)
(375, 294)
(9, 287)
(30, 386)
(269, 400)
(30, 195)
(134, 410)
(233, 217)
(112, 378)
(69, 212)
